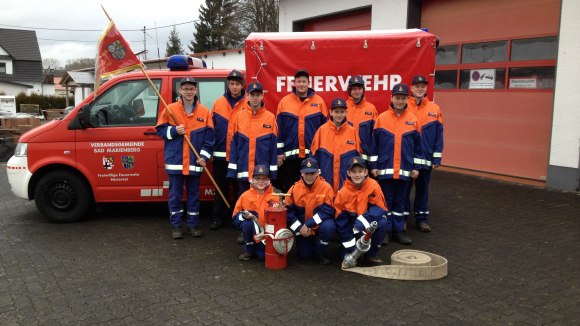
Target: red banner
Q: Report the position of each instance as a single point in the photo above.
(114, 56)
(382, 58)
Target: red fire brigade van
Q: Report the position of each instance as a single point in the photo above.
(106, 150)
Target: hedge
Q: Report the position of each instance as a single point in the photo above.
(43, 101)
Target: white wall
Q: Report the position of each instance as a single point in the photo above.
(226, 60)
(12, 89)
(79, 97)
(36, 88)
(2, 51)
(565, 139)
(8, 66)
(391, 14)
(48, 89)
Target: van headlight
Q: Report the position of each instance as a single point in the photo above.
(21, 150)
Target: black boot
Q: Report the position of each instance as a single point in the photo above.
(402, 237)
(176, 232)
(323, 259)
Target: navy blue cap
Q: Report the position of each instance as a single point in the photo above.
(357, 160)
(419, 79)
(400, 89)
(234, 74)
(356, 80)
(188, 80)
(309, 165)
(255, 86)
(261, 170)
(301, 72)
(338, 103)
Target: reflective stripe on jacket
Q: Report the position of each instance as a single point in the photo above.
(333, 148)
(310, 206)
(252, 201)
(253, 143)
(362, 116)
(179, 158)
(366, 204)
(298, 122)
(431, 122)
(396, 145)
(221, 113)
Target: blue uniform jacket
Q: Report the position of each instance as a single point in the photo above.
(396, 145)
(298, 122)
(179, 158)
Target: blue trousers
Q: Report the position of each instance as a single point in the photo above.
(249, 229)
(421, 196)
(176, 182)
(395, 191)
(319, 244)
(376, 239)
(221, 213)
(244, 186)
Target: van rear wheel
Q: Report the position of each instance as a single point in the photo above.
(63, 197)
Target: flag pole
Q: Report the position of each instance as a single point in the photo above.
(175, 120)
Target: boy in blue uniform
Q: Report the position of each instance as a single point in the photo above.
(310, 212)
(193, 121)
(359, 203)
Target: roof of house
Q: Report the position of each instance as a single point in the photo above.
(78, 78)
(24, 71)
(20, 44)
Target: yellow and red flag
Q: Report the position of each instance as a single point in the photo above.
(114, 56)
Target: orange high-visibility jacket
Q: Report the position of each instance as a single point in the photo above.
(397, 147)
(253, 143)
(298, 121)
(333, 148)
(179, 158)
(431, 123)
(255, 203)
(366, 204)
(362, 116)
(221, 113)
(309, 205)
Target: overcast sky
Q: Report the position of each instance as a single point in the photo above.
(88, 15)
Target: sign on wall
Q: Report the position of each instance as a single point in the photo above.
(524, 82)
(482, 79)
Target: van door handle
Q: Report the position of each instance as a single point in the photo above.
(149, 133)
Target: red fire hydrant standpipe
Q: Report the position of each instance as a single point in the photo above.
(279, 239)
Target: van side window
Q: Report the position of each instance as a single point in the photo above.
(208, 90)
(127, 104)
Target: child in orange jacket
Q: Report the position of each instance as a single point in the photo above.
(359, 203)
(334, 144)
(252, 203)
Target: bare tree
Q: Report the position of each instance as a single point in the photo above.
(259, 15)
(51, 63)
(74, 64)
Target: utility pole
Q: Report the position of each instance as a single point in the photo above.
(145, 43)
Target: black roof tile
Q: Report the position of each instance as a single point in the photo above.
(20, 44)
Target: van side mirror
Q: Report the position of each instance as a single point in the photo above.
(84, 116)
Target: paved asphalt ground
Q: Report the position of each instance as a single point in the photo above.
(513, 251)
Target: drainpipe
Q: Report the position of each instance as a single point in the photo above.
(578, 177)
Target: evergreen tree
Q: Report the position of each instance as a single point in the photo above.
(216, 28)
(173, 44)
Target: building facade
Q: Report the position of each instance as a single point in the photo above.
(20, 62)
(503, 70)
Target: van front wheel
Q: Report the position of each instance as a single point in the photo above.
(63, 197)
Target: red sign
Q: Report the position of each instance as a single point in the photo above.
(114, 56)
(381, 58)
